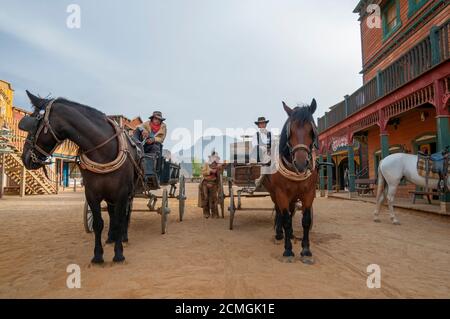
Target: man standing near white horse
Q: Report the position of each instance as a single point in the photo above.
(396, 166)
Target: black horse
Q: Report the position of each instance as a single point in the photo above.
(110, 168)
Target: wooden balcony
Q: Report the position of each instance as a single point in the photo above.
(425, 55)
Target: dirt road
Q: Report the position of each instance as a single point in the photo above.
(41, 235)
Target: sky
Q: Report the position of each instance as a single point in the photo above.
(224, 62)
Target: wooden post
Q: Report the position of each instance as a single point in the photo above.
(329, 174)
(57, 176)
(351, 171)
(2, 173)
(322, 178)
(74, 184)
(23, 181)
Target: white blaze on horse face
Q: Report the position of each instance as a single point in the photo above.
(73, 21)
(374, 278)
(74, 279)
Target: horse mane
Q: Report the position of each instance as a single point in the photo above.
(301, 114)
(84, 109)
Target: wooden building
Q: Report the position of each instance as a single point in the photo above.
(403, 104)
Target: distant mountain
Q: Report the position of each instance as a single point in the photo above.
(204, 147)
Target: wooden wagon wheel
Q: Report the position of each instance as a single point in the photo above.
(181, 197)
(232, 207)
(164, 210)
(88, 218)
(221, 196)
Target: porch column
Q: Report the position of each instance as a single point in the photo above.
(321, 177)
(443, 132)
(443, 141)
(23, 181)
(329, 174)
(384, 139)
(2, 173)
(351, 170)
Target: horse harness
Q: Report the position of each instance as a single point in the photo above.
(288, 168)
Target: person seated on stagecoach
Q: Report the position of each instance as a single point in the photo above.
(152, 133)
(262, 149)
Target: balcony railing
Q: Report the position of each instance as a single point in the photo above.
(429, 52)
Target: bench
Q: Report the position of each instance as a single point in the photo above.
(428, 194)
(365, 186)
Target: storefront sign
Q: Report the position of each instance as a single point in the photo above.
(339, 142)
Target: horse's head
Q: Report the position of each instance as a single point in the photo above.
(41, 140)
(299, 136)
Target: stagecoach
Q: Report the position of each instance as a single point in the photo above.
(159, 172)
(242, 174)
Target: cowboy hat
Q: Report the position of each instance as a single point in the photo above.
(214, 157)
(261, 119)
(158, 115)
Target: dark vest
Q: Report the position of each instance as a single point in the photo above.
(269, 145)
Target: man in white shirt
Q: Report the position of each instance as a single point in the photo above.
(262, 148)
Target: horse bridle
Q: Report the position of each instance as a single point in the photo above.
(300, 147)
(43, 124)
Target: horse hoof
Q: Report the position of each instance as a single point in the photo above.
(97, 260)
(307, 260)
(288, 253)
(396, 222)
(288, 259)
(377, 220)
(109, 241)
(118, 259)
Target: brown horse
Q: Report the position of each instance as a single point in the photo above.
(296, 176)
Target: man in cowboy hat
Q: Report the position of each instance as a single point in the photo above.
(262, 146)
(209, 186)
(153, 132)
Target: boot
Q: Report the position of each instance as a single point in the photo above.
(206, 213)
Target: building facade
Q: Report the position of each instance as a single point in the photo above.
(403, 105)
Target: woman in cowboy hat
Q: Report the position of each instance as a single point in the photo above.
(153, 132)
(262, 148)
(209, 186)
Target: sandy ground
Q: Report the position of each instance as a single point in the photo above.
(41, 235)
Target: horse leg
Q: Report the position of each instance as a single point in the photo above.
(119, 224)
(97, 224)
(306, 224)
(287, 226)
(125, 234)
(292, 208)
(278, 224)
(380, 199)
(111, 217)
(390, 199)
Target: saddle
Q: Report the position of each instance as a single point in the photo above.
(435, 166)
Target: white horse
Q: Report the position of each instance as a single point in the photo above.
(390, 172)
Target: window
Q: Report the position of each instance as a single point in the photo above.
(414, 5)
(391, 18)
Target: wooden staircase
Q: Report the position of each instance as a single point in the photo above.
(35, 180)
